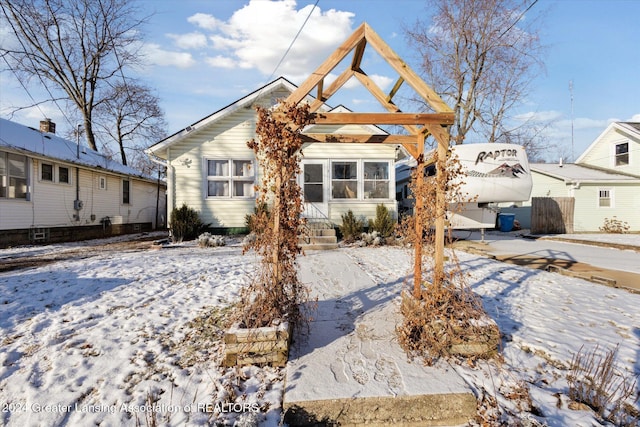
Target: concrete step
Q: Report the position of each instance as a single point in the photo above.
(319, 246)
(317, 239)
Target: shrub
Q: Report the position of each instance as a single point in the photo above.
(351, 227)
(614, 225)
(207, 240)
(185, 224)
(251, 220)
(383, 223)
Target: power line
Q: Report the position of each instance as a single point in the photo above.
(293, 41)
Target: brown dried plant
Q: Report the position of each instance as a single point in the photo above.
(445, 312)
(276, 292)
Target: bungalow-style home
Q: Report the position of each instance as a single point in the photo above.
(211, 169)
(603, 184)
(53, 190)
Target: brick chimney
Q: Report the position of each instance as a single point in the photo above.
(48, 126)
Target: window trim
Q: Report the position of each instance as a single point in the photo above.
(53, 172)
(6, 177)
(102, 179)
(616, 156)
(360, 179)
(230, 179)
(611, 199)
(69, 175)
(128, 192)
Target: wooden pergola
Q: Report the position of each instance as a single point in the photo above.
(418, 125)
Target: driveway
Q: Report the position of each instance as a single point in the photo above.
(589, 259)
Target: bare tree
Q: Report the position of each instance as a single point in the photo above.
(481, 56)
(76, 46)
(131, 117)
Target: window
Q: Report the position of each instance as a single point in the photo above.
(344, 180)
(230, 178)
(604, 198)
(102, 182)
(46, 172)
(313, 183)
(126, 191)
(13, 176)
(622, 154)
(376, 180)
(63, 175)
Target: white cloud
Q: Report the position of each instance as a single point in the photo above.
(635, 118)
(204, 21)
(220, 61)
(158, 56)
(258, 35)
(193, 40)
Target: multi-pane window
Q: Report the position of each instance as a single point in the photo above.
(13, 176)
(622, 154)
(230, 178)
(344, 180)
(46, 172)
(126, 191)
(63, 175)
(376, 180)
(604, 198)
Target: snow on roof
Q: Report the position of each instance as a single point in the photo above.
(32, 142)
(574, 172)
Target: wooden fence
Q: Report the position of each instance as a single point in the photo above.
(552, 215)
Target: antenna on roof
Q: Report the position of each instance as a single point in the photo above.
(571, 96)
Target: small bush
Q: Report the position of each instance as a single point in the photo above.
(351, 227)
(185, 224)
(383, 223)
(594, 381)
(614, 225)
(207, 240)
(250, 220)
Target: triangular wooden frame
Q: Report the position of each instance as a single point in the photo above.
(417, 124)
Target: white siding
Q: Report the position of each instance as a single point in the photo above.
(602, 154)
(226, 139)
(52, 203)
(589, 217)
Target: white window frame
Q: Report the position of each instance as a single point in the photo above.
(610, 191)
(616, 155)
(360, 180)
(5, 178)
(102, 182)
(368, 179)
(230, 179)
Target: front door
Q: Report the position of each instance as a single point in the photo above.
(314, 188)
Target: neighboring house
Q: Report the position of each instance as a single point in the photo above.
(211, 169)
(52, 189)
(603, 183)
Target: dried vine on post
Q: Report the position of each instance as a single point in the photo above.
(276, 294)
(441, 314)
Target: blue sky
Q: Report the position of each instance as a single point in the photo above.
(204, 54)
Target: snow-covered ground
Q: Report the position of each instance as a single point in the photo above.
(105, 338)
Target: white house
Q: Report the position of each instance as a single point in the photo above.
(604, 182)
(211, 169)
(52, 189)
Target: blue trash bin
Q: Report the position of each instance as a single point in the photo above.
(505, 221)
